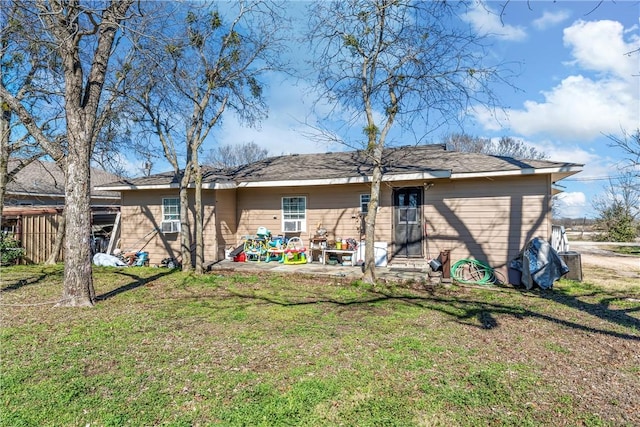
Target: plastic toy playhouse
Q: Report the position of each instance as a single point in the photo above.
(275, 249)
(294, 252)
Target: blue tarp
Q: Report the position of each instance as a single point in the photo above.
(539, 264)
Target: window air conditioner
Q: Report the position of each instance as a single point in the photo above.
(170, 226)
(292, 226)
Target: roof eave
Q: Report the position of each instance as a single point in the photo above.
(347, 180)
(34, 194)
(130, 187)
(557, 173)
(562, 174)
(58, 195)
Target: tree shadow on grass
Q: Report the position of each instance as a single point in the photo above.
(486, 312)
(14, 285)
(474, 313)
(599, 309)
(136, 283)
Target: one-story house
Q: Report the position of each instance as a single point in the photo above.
(473, 205)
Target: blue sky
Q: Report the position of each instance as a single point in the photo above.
(575, 85)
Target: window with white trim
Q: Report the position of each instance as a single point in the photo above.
(364, 203)
(294, 214)
(170, 215)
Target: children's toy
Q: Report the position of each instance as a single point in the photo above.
(295, 252)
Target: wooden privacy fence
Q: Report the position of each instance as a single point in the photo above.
(36, 228)
(37, 233)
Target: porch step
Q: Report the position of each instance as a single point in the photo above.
(435, 277)
(416, 265)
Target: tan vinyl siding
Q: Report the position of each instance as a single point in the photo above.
(141, 212)
(227, 224)
(211, 250)
(335, 208)
(489, 220)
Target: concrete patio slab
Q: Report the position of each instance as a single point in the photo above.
(415, 272)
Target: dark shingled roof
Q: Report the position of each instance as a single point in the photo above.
(209, 175)
(46, 178)
(402, 160)
(354, 164)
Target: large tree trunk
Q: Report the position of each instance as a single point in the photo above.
(81, 109)
(78, 33)
(78, 278)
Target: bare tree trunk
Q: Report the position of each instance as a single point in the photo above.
(199, 221)
(185, 229)
(5, 128)
(406, 60)
(370, 230)
(57, 245)
(78, 278)
(81, 109)
(79, 34)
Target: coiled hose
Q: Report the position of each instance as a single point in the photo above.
(474, 272)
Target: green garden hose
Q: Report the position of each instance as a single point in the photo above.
(473, 272)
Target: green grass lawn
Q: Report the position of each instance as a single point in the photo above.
(166, 348)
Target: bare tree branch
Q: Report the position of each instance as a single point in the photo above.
(399, 63)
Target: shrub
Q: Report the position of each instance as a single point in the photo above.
(617, 223)
(10, 250)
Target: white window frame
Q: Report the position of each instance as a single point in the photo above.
(364, 202)
(298, 219)
(170, 217)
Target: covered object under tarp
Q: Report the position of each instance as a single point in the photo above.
(539, 264)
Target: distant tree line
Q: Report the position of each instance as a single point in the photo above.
(506, 146)
(227, 156)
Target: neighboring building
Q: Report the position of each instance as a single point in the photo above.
(34, 201)
(41, 183)
(474, 205)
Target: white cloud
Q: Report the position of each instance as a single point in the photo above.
(486, 21)
(600, 46)
(579, 108)
(549, 19)
(599, 160)
(583, 107)
(559, 152)
(571, 204)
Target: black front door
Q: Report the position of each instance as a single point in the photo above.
(407, 203)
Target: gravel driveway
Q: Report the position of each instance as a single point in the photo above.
(598, 257)
(600, 254)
